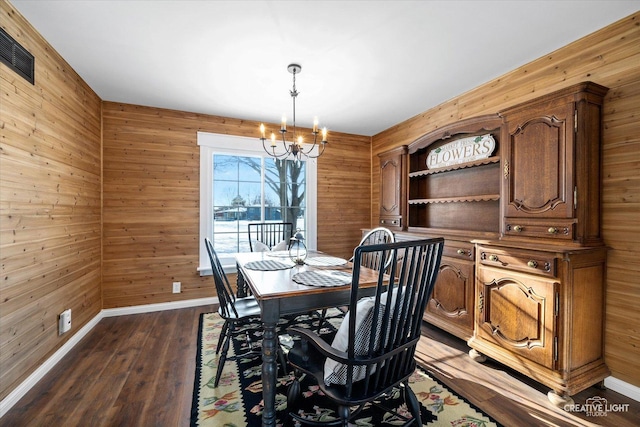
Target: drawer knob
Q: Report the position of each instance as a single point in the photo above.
(552, 230)
(532, 264)
(461, 252)
(517, 228)
(493, 258)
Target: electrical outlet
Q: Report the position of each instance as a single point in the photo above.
(176, 287)
(64, 322)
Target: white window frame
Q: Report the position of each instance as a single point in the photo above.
(213, 143)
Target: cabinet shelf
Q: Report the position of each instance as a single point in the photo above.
(459, 199)
(487, 161)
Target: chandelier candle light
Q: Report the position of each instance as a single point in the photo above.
(294, 148)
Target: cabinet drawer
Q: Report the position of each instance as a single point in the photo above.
(459, 250)
(526, 261)
(391, 221)
(547, 229)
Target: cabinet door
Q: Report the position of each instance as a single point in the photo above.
(390, 179)
(451, 303)
(392, 187)
(518, 312)
(538, 162)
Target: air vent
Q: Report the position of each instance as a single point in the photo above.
(16, 57)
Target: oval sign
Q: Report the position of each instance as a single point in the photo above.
(460, 151)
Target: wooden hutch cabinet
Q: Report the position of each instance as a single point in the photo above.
(517, 197)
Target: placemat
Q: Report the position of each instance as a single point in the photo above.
(325, 261)
(324, 278)
(268, 265)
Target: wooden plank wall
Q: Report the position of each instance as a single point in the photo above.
(50, 204)
(50, 188)
(151, 200)
(610, 57)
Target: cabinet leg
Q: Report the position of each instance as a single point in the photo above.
(560, 400)
(476, 356)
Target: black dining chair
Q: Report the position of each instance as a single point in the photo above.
(263, 235)
(241, 315)
(376, 236)
(373, 350)
(370, 260)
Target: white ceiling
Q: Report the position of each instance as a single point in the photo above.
(367, 65)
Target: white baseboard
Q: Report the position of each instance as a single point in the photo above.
(629, 390)
(17, 393)
(149, 308)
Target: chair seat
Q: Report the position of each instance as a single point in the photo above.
(314, 366)
(245, 307)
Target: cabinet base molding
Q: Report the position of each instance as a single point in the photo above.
(563, 384)
(448, 324)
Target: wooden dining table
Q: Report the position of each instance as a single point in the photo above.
(278, 295)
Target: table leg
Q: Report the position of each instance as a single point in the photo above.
(270, 316)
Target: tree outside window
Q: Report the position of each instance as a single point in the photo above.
(254, 189)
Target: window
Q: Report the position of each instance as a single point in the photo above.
(240, 183)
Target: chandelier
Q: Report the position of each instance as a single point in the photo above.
(295, 147)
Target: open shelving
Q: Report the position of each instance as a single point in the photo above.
(463, 197)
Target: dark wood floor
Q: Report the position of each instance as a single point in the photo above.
(138, 370)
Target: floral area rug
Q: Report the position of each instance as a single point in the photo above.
(237, 401)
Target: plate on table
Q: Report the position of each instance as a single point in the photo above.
(325, 261)
(278, 254)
